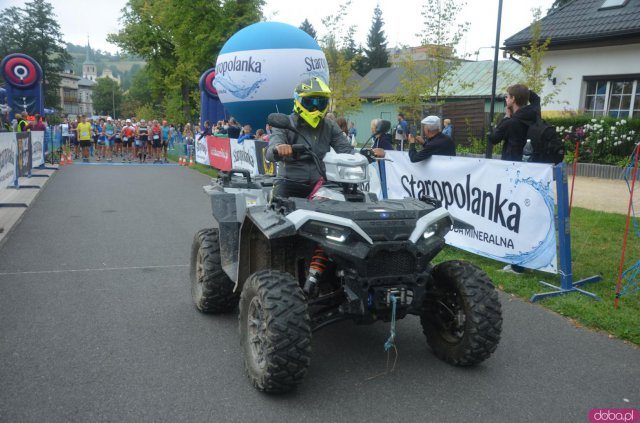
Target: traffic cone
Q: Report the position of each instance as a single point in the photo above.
(69, 159)
(63, 161)
(190, 161)
(180, 162)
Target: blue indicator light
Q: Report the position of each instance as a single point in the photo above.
(384, 215)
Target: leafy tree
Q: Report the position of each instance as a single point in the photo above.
(423, 84)
(107, 97)
(531, 59)
(308, 28)
(33, 30)
(441, 39)
(345, 94)
(179, 41)
(376, 51)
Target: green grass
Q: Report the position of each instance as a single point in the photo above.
(596, 239)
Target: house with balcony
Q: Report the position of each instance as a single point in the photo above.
(595, 49)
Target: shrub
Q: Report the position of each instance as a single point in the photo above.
(603, 140)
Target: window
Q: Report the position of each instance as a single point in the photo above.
(595, 99)
(612, 4)
(618, 98)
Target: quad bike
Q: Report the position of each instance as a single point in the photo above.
(296, 265)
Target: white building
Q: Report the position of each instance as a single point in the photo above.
(595, 48)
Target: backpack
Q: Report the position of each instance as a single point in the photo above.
(547, 144)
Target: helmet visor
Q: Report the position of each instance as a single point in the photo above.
(312, 103)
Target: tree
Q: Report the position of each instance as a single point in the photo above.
(33, 30)
(308, 28)
(179, 41)
(107, 97)
(531, 59)
(345, 94)
(425, 84)
(376, 51)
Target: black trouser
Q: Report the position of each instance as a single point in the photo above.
(287, 188)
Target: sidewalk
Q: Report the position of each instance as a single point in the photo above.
(15, 202)
(608, 195)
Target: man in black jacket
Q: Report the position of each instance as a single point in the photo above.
(436, 143)
(513, 128)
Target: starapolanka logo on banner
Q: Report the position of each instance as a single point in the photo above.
(510, 205)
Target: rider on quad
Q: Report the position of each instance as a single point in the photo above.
(297, 176)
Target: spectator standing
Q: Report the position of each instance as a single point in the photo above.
(246, 133)
(233, 131)
(187, 135)
(21, 123)
(434, 141)
(37, 124)
(512, 131)
(342, 124)
(402, 129)
(448, 128)
(352, 134)
(381, 138)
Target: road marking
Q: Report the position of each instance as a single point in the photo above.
(100, 269)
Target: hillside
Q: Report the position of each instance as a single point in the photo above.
(124, 66)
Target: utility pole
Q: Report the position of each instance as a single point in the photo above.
(489, 151)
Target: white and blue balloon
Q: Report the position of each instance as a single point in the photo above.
(259, 67)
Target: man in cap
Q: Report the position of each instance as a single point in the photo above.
(433, 141)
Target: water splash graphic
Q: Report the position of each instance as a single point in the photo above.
(542, 255)
(239, 91)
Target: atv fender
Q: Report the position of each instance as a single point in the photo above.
(262, 231)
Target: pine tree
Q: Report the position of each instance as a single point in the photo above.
(308, 28)
(376, 51)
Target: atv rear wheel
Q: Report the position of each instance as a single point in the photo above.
(211, 288)
(275, 331)
(463, 320)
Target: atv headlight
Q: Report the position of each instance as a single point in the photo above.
(352, 173)
(330, 232)
(440, 228)
(435, 223)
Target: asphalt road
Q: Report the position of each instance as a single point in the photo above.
(97, 324)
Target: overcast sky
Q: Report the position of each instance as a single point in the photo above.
(402, 19)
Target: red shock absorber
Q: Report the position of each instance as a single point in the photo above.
(318, 265)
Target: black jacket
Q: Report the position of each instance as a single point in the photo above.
(439, 145)
(383, 141)
(513, 130)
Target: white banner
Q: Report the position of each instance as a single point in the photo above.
(374, 185)
(260, 74)
(202, 150)
(510, 205)
(243, 156)
(37, 145)
(8, 154)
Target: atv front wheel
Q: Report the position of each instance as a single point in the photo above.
(275, 331)
(211, 288)
(463, 320)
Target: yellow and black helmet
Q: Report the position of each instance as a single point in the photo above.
(311, 100)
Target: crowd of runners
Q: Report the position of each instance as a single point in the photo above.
(126, 140)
